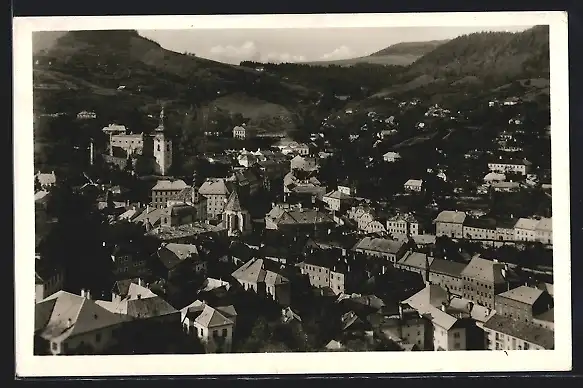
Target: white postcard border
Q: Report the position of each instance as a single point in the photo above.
(28, 365)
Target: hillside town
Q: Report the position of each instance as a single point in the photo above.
(268, 258)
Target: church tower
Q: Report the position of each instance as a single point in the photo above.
(162, 148)
(236, 219)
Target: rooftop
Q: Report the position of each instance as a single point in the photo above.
(416, 260)
(379, 245)
(170, 185)
(524, 294)
(447, 267)
(484, 270)
(64, 315)
(451, 216)
(526, 223)
(525, 331)
(337, 194)
(215, 186)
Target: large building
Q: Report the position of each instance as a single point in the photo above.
(503, 165)
(154, 149)
(66, 323)
(213, 326)
(217, 192)
(482, 280)
(505, 333)
(390, 250)
(243, 132)
(236, 219)
(450, 223)
(165, 190)
(523, 303)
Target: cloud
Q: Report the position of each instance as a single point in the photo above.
(342, 52)
(246, 51)
(283, 58)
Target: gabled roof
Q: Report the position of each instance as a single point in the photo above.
(170, 185)
(215, 186)
(484, 270)
(251, 271)
(173, 254)
(421, 302)
(337, 194)
(447, 267)
(210, 317)
(379, 245)
(524, 294)
(525, 331)
(545, 225)
(449, 216)
(254, 271)
(64, 315)
(233, 203)
(416, 260)
(414, 182)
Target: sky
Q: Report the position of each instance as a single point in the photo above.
(300, 44)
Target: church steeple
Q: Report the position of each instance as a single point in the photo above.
(161, 122)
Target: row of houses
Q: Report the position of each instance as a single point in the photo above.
(457, 224)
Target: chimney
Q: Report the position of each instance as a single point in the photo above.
(139, 296)
(470, 307)
(400, 311)
(69, 323)
(139, 281)
(443, 307)
(83, 292)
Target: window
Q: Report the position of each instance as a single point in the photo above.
(215, 333)
(98, 337)
(456, 345)
(526, 346)
(224, 332)
(54, 346)
(456, 334)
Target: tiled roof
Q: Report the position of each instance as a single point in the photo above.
(526, 223)
(233, 203)
(485, 270)
(447, 267)
(170, 185)
(494, 176)
(307, 216)
(153, 306)
(215, 186)
(416, 260)
(122, 287)
(336, 194)
(46, 179)
(414, 182)
(524, 294)
(522, 330)
(254, 271)
(71, 315)
(421, 302)
(210, 317)
(173, 254)
(449, 216)
(545, 224)
(379, 245)
(41, 196)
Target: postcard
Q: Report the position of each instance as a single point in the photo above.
(276, 194)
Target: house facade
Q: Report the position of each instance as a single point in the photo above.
(165, 190)
(482, 280)
(214, 327)
(504, 333)
(216, 191)
(450, 223)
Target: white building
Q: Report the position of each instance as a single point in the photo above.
(391, 156)
(213, 326)
(414, 185)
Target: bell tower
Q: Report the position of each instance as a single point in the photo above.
(162, 147)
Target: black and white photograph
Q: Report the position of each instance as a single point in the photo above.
(292, 194)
